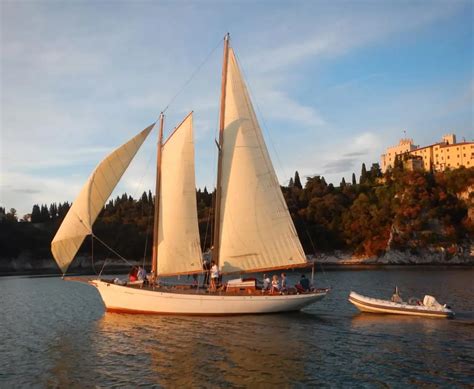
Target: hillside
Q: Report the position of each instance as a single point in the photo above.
(381, 219)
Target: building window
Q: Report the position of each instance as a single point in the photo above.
(448, 156)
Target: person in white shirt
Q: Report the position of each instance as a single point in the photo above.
(266, 282)
(214, 276)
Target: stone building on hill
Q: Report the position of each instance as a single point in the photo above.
(447, 154)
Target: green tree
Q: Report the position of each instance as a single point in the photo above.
(363, 175)
(297, 181)
(36, 214)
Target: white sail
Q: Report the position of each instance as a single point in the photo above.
(86, 207)
(179, 248)
(256, 228)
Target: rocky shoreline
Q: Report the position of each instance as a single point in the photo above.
(24, 265)
(394, 257)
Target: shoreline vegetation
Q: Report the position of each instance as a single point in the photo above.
(401, 217)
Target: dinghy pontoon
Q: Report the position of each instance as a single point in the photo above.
(428, 307)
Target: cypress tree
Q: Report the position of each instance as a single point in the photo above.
(44, 213)
(291, 184)
(343, 183)
(35, 214)
(53, 211)
(297, 181)
(354, 182)
(363, 175)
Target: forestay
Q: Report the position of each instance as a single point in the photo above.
(86, 207)
(256, 228)
(179, 249)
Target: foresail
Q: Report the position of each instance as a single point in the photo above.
(179, 248)
(86, 207)
(256, 228)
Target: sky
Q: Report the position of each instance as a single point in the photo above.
(333, 83)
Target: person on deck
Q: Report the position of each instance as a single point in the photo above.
(133, 275)
(284, 282)
(266, 282)
(396, 298)
(214, 276)
(275, 285)
(141, 274)
(206, 267)
(304, 285)
(195, 281)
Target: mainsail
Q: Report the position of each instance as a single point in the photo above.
(86, 207)
(256, 230)
(179, 248)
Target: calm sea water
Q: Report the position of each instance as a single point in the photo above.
(55, 333)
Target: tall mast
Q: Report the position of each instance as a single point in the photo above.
(217, 206)
(154, 261)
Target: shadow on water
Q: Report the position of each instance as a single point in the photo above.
(248, 350)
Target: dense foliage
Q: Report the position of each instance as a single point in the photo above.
(406, 210)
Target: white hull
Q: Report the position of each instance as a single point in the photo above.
(124, 299)
(368, 304)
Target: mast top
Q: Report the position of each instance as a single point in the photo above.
(227, 37)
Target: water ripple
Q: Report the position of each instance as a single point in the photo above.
(56, 334)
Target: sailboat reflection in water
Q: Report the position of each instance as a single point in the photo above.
(253, 228)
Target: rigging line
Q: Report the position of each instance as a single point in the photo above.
(101, 270)
(314, 250)
(112, 250)
(207, 226)
(92, 254)
(192, 77)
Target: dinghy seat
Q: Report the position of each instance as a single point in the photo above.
(430, 301)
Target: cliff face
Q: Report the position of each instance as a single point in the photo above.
(440, 256)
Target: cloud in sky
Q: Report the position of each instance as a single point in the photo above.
(334, 83)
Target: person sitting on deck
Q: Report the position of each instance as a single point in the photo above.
(266, 282)
(195, 281)
(275, 285)
(214, 276)
(133, 275)
(304, 285)
(141, 274)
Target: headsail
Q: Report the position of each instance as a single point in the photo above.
(256, 228)
(86, 207)
(179, 248)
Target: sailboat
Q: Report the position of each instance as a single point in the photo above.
(253, 228)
